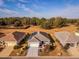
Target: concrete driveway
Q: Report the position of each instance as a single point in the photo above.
(6, 51)
(33, 50)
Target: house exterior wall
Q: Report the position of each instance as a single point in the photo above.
(10, 43)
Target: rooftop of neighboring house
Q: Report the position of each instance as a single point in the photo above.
(18, 35)
(8, 37)
(13, 36)
(67, 37)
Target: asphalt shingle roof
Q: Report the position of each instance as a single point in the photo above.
(66, 37)
(38, 37)
(16, 36)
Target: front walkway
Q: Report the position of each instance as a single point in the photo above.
(6, 51)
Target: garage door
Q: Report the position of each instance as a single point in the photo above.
(34, 44)
(11, 43)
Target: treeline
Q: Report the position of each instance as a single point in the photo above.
(23, 22)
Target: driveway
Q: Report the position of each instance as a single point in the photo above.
(6, 51)
(33, 50)
(73, 51)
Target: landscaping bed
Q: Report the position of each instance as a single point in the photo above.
(20, 51)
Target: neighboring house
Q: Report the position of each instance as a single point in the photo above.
(38, 37)
(13, 38)
(66, 37)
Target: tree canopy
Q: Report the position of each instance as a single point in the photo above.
(35, 21)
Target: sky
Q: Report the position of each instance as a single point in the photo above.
(39, 8)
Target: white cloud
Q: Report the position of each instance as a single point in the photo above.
(8, 13)
(28, 10)
(24, 1)
(22, 6)
(1, 2)
(70, 11)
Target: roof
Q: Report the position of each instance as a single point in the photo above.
(38, 37)
(73, 38)
(66, 37)
(62, 36)
(8, 37)
(33, 39)
(16, 36)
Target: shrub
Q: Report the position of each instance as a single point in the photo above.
(17, 46)
(46, 25)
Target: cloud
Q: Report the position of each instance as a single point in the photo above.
(9, 0)
(70, 11)
(8, 13)
(24, 1)
(22, 6)
(28, 10)
(37, 6)
(1, 2)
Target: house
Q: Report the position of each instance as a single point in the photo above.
(34, 41)
(65, 37)
(37, 37)
(13, 38)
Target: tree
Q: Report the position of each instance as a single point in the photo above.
(25, 21)
(2, 22)
(46, 25)
(18, 23)
(35, 21)
(58, 22)
(51, 20)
